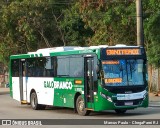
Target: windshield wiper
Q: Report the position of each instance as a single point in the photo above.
(130, 69)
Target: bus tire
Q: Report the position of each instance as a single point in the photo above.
(81, 107)
(34, 102)
(120, 111)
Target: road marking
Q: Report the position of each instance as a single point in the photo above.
(154, 107)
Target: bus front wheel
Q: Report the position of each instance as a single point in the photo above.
(81, 107)
(34, 102)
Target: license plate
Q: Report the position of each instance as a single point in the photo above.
(128, 103)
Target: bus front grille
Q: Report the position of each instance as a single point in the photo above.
(127, 102)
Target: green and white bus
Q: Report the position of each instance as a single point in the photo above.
(95, 78)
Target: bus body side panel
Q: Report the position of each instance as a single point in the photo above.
(10, 80)
(25, 88)
(43, 88)
(54, 91)
(15, 88)
(65, 90)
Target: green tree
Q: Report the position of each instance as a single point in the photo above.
(27, 25)
(102, 22)
(152, 31)
(76, 33)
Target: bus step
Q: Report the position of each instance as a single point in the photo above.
(89, 109)
(23, 102)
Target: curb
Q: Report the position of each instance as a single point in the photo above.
(154, 104)
(1, 93)
(4, 91)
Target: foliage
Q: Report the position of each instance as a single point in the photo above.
(27, 25)
(100, 22)
(152, 31)
(74, 28)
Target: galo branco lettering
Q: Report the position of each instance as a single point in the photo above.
(58, 84)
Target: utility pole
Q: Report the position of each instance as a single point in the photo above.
(140, 38)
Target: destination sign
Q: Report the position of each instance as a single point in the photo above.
(123, 52)
(113, 80)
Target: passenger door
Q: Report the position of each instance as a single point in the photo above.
(23, 81)
(88, 80)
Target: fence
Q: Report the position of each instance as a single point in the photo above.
(153, 79)
(3, 80)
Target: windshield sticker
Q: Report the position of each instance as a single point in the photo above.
(113, 80)
(140, 67)
(111, 62)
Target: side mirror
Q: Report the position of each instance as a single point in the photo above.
(97, 68)
(102, 74)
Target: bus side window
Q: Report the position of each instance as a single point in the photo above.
(48, 68)
(78, 73)
(76, 67)
(63, 67)
(15, 68)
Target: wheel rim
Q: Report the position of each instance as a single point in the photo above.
(33, 101)
(81, 105)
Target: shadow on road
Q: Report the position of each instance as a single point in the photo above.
(136, 113)
(109, 113)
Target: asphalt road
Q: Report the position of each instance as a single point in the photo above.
(12, 109)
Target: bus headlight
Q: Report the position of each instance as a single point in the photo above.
(106, 97)
(144, 96)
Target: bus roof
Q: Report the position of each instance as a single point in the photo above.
(47, 51)
(67, 49)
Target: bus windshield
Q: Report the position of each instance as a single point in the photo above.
(123, 72)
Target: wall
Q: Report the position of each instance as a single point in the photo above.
(153, 79)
